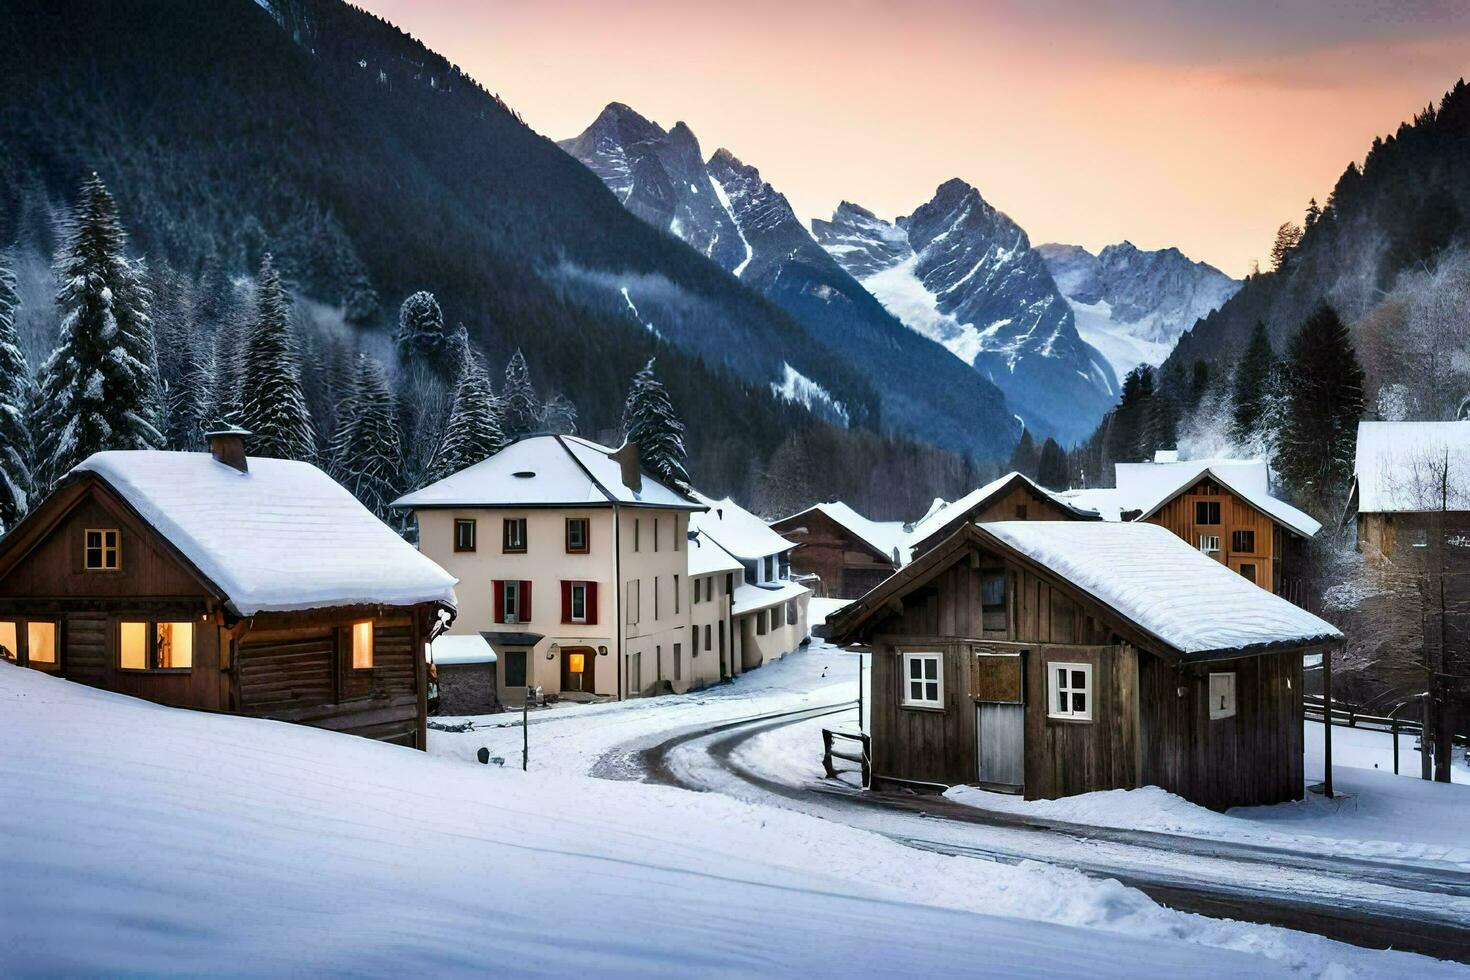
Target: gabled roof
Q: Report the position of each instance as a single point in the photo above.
(283, 536)
(708, 558)
(749, 598)
(546, 471)
(885, 538)
(1242, 483)
(1169, 597)
(736, 529)
(1412, 467)
(949, 516)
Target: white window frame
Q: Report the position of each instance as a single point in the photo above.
(1053, 689)
(1227, 682)
(1204, 544)
(510, 601)
(906, 697)
(579, 593)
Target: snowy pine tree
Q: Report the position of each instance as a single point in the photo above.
(272, 406)
(520, 407)
(558, 415)
(474, 431)
(98, 388)
(1324, 385)
(367, 457)
(17, 394)
(1051, 470)
(1025, 458)
(421, 336)
(1252, 380)
(650, 422)
(191, 398)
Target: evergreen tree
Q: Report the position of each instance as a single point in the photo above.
(1288, 237)
(422, 337)
(521, 409)
(649, 421)
(1161, 424)
(1051, 470)
(1252, 379)
(98, 388)
(1025, 457)
(1324, 402)
(474, 432)
(559, 415)
(272, 405)
(366, 453)
(191, 398)
(17, 395)
(1314, 215)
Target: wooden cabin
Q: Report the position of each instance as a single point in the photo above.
(1050, 659)
(256, 587)
(847, 553)
(1013, 497)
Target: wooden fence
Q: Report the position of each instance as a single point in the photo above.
(1350, 717)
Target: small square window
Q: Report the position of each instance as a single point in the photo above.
(993, 602)
(577, 536)
(1209, 544)
(923, 683)
(1070, 691)
(1222, 696)
(41, 644)
(464, 534)
(1207, 512)
(1243, 542)
(101, 551)
(362, 645)
(514, 535)
(1248, 571)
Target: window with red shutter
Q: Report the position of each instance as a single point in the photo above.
(566, 601)
(525, 611)
(591, 603)
(497, 587)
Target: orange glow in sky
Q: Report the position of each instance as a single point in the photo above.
(1197, 123)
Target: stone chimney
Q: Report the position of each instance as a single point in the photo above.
(228, 447)
(627, 459)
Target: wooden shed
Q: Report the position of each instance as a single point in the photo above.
(1052, 659)
(203, 580)
(847, 553)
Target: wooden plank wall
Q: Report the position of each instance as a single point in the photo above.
(1065, 757)
(1254, 758)
(1235, 515)
(846, 567)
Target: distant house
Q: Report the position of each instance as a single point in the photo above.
(714, 575)
(1056, 658)
(1224, 508)
(574, 564)
(1411, 485)
(1013, 497)
(847, 553)
(464, 679)
(258, 587)
(768, 608)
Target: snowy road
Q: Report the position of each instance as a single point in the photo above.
(1370, 903)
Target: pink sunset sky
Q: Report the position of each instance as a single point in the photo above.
(1201, 123)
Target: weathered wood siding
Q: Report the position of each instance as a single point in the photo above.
(1019, 503)
(1178, 515)
(1065, 757)
(845, 565)
(1253, 758)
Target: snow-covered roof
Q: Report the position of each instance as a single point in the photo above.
(1105, 501)
(708, 558)
(1192, 602)
(737, 530)
(1245, 481)
(1406, 467)
(888, 538)
(749, 598)
(1142, 485)
(545, 471)
(942, 514)
(282, 536)
(469, 648)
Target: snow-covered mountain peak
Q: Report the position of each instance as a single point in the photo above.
(862, 242)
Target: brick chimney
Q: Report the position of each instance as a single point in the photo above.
(228, 447)
(627, 459)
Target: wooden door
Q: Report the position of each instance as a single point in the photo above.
(997, 685)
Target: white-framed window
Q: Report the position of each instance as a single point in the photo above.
(511, 597)
(1222, 695)
(579, 602)
(923, 679)
(1209, 544)
(1069, 691)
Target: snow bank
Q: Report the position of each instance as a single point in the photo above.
(283, 536)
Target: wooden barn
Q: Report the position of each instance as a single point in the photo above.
(1051, 659)
(847, 553)
(1013, 497)
(205, 580)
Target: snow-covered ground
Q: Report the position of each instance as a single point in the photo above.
(137, 839)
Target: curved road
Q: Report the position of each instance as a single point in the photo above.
(1364, 902)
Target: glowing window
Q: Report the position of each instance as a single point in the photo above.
(362, 645)
(173, 646)
(9, 641)
(132, 646)
(576, 662)
(41, 643)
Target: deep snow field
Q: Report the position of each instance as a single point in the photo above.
(137, 839)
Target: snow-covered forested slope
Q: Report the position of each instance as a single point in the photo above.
(138, 839)
(963, 273)
(724, 209)
(1133, 304)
